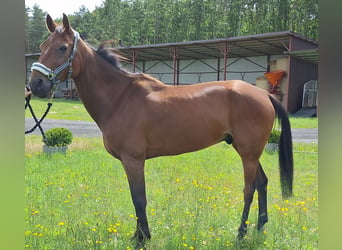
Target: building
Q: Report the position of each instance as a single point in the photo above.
(245, 58)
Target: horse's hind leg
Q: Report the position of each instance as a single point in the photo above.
(261, 186)
(250, 172)
(255, 178)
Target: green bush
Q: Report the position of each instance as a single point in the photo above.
(274, 136)
(58, 137)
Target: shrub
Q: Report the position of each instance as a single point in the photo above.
(58, 137)
(274, 136)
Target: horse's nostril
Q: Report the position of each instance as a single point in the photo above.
(36, 86)
(39, 81)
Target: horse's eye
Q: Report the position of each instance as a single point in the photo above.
(63, 48)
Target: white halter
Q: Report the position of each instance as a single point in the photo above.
(52, 74)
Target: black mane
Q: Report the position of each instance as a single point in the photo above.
(111, 55)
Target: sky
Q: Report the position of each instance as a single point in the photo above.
(58, 7)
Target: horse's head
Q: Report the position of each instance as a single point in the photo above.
(55, 62)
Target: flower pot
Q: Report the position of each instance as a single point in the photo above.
(54, 149)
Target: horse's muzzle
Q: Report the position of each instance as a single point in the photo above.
(40, 87)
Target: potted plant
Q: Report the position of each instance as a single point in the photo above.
(273, 141)
(57, 140)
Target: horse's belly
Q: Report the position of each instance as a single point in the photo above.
(179, 141)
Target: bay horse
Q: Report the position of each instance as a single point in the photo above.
(141, 117)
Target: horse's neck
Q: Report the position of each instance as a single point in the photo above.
(99, 85)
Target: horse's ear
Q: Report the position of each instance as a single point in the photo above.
(50, 23)
(66, 23)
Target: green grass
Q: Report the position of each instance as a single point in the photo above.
(195, 200)
(301, 122)
(61, 109)
(74, 110)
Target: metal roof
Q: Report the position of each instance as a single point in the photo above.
(275, 43)
(310, 55)
(244, 46)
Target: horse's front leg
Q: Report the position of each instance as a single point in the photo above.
(135, 173)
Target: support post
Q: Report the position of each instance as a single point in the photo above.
(134, 57)
(175, 72)
(225, 53)
(218, 69)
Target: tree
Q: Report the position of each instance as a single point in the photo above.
(37, 31)
(27, 27)
(143, 22)
(80, 22)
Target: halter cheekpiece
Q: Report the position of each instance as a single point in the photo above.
(53, 73)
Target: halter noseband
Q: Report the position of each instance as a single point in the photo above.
(52, 74)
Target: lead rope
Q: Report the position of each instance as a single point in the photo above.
(38, 122)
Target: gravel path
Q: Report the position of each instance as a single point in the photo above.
(78, 128)
(90, 129)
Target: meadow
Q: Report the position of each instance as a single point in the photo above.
(81, 200)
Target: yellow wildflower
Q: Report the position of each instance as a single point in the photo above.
(35, 212)
(112, 230)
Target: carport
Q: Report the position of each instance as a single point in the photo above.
(217, 59)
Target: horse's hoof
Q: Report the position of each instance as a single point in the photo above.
(260, 228)
(242, 233)
(141, 238)
(140, 245)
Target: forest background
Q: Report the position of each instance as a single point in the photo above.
(145, 22)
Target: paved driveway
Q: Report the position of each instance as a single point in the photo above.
(90, 129)
(78, 128)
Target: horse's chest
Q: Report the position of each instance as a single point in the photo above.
(125, 139)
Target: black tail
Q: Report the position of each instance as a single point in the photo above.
(285, 149)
